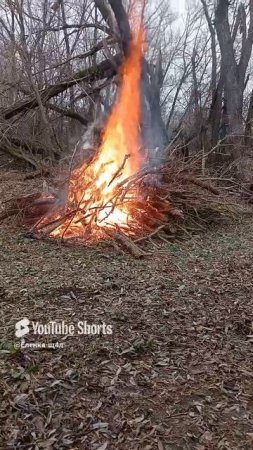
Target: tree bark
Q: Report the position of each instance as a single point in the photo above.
(234, 74)
(249, 121)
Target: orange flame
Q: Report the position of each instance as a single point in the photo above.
(93, 187)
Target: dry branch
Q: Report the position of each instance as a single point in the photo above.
(98, 72)
(178, 201)
(127, 244)
(67, 112)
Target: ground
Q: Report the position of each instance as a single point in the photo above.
(177, 371)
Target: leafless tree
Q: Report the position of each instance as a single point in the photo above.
(59, 64)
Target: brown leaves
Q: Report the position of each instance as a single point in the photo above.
(176, 373)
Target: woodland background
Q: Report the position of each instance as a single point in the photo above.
(177, 371)
(58, 78)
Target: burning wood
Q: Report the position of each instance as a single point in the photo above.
(161, 203)
(133, 208)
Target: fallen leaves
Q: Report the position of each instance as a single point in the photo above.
(175, 374)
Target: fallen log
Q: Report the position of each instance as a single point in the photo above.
(106, 69)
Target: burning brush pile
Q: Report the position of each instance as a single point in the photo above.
(116, 196)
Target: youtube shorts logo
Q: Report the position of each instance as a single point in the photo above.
(22, 327)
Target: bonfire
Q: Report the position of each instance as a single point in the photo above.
(117, 195)
(112, 193)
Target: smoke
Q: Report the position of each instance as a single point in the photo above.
(89, 142)
(154, 135)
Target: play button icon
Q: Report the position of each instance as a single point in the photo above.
(22, 327)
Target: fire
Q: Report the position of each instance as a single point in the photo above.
(96, 190)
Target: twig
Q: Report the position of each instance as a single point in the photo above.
(149, 236)
(127, 244)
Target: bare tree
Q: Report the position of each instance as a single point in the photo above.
(59, 64)
(234, 72)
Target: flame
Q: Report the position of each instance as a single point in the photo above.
(94, 187)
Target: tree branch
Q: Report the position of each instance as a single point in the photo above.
(213, 46)
(77, 26)
(123, 23)
(103, 70)
(68, 113)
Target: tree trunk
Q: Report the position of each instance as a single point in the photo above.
(249, 122)
(234, 73)
(153, 128)
(233, 84)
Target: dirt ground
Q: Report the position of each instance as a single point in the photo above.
(177, 371)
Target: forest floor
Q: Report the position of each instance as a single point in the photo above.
(177, 371)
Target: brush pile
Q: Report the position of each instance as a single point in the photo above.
(158, 203)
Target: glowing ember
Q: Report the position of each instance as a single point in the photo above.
(96, 190)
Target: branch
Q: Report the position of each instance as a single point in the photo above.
(78, 26)
(68, 113)
(213, 46)
(237, 24)
(17, 152)
(123, 23)
(106, 13)
(103, 70)
(99, 46)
